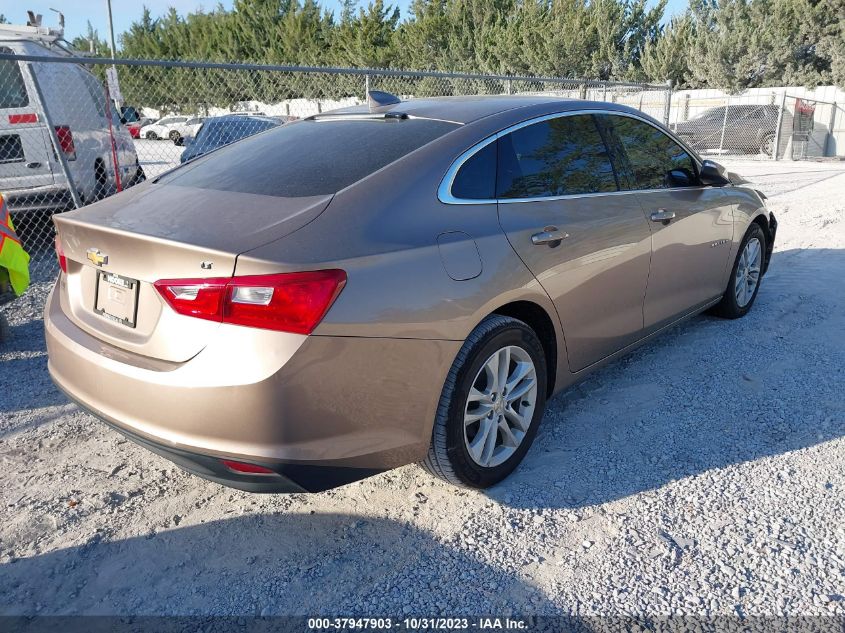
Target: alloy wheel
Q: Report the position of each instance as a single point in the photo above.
(500, 406)
(748, 272)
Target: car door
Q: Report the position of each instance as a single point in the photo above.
(691, 225)
(24, 139)
(586, 243)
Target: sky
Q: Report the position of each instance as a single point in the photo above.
(78, 12)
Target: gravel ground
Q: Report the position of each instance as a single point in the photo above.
(703, 474)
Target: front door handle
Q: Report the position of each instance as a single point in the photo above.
(662, 215)
(33, 165)
(550, 235)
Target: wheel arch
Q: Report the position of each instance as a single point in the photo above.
(762, 220)
(539, 320)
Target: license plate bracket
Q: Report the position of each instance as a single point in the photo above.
(116, 298)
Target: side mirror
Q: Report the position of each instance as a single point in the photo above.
(712, 174)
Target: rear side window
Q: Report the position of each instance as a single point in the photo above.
(12, 87)
(655, 160)
(561, 156)
(476, 179)
(95, 89)
(309, 158)
(11, 150)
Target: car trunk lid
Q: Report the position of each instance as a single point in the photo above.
(118, 248)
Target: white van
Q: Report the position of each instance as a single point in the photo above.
(74, 103)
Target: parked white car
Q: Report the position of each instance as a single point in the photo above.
(167, 127)
(69, 116)
(188, 129)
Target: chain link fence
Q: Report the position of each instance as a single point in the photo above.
(770, 124)
(75, 130)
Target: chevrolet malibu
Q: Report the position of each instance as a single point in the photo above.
(405, 282)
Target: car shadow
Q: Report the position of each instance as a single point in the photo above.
(706, 395)
(265, 564)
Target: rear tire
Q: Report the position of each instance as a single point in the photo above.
(749, 262)
(767, 145)
(174, 135)
(101, 180)
(482, 452)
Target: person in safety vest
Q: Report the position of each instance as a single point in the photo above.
(14, 260)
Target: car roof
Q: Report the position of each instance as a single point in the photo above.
(242, 117)
(472, 108)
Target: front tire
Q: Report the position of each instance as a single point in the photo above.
(491, 405)
(151, 136)
(746, 275)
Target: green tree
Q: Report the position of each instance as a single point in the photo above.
(91, 44)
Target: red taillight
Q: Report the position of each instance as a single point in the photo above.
(65, 137)
(287, 302)
(60, 253)
(23, 118)
(247, 469)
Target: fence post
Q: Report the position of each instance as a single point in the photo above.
(667, 106)
(776, 148)
(366, 86)
(828, 140)
(510, 88)
(724, 125)
(583, 92)
(54, 138)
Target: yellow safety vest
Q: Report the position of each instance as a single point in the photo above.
(12, 256)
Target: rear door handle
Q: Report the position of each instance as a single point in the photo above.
(662, 215)
(33, 165)
(550, 235)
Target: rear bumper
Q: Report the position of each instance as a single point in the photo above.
(287, 478)
(38, 199)
(332, 409)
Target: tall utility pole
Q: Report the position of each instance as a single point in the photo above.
(111, 77)
(111, 31)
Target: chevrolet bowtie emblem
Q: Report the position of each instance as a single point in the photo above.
(96, 257)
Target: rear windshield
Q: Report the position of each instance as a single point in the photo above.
(217, 133)
(309, 158)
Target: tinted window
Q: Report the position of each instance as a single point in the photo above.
(218, 133)
(557, 157)
(12, 88)
(309, 158)
(476, 179)
(11, 150)
(129, 114)
(714, 114)
(655, 160)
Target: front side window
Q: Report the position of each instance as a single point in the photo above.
(12, 87)
(654, 159)
(561, 156)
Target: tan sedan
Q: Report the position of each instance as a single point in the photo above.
(379, 286)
